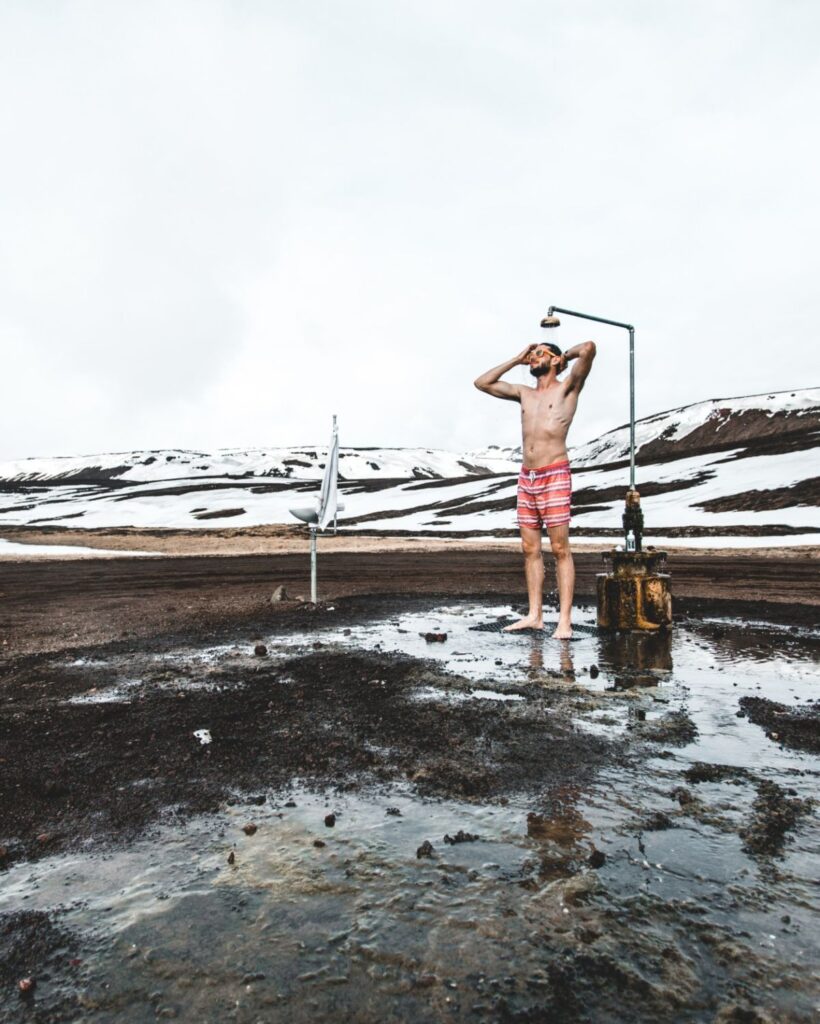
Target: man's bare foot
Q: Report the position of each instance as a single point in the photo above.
(530, 622)
(562, 632)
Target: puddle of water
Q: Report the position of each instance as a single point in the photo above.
(311, 921)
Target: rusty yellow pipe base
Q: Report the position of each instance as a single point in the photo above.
(635, 596)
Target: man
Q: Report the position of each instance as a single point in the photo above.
(545, 484)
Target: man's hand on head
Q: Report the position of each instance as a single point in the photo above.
(524, 357)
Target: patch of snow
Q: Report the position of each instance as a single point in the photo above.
(8, 547)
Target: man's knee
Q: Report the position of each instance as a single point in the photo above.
(531, 547)
(560, 547)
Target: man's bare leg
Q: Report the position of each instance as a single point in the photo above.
(534, 571)
(565, 571)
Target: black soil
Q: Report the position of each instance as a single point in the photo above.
(337, 719)
(795, 727)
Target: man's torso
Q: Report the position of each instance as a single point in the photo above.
(545, 420)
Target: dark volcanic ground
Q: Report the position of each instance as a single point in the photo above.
(335, 719)
(629, 841)
(52, 606)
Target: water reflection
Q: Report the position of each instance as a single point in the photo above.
(562, 667)
(730, 642)
(636, 652)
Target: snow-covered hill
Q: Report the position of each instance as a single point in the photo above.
(303, 463)
(740, 470)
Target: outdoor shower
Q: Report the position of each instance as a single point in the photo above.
(634, 595)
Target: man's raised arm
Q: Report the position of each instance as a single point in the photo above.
(583, 354)
(491, 383)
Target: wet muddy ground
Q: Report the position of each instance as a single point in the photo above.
(326, 814)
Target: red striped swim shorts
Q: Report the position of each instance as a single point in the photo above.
(544, 496)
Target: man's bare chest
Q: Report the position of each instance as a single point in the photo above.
(545, 408)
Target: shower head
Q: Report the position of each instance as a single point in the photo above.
(550, 321)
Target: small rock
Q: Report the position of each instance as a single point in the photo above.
(425, 850)
(25, 986)
(280, 594)
(256, 976)
(640, 714)
(260, 650)
(393, 811)
(259, 799)
(596, 859)
(290, 803)
(593, 671)
(461, 837)
(231, 857)
(330, 820)
(434, 638)
(250, 828)
(319, 843)
(657, 821)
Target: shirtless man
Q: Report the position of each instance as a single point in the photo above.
(544, 493)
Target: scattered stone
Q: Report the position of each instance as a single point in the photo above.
(596, 859)
(259, 799)
(461, 837)
(256, 976)
(393, 811)
(290, 803)
(675, 728)
(703, 772)
(682, 795)
(657, 821)
(250, 829)
(425, 850)
(319, 843)
(434, 638)
(593, 671)
(280, 594)
(231, 857)
(260, 650)
(330, 820)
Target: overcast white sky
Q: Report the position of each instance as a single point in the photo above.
(220, 222)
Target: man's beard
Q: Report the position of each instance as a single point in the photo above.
(539, 371)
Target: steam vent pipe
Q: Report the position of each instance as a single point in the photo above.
(634, 594)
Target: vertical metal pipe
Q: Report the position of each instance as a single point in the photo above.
(313, 532)
(632, 408)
